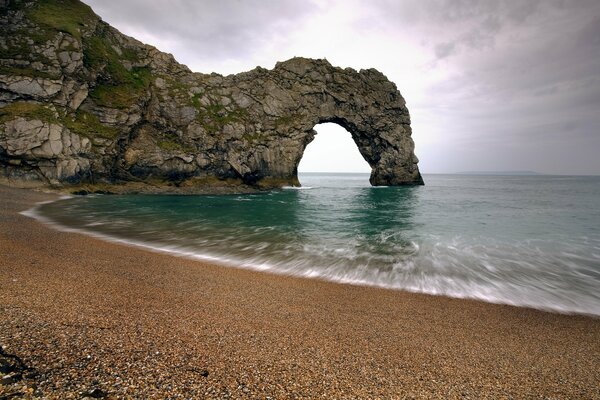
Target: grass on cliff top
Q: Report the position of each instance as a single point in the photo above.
(48, 17)
(118, 87)
(67, 16)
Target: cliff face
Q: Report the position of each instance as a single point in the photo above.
(81, 103)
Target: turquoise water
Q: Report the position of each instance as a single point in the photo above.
(523, 240)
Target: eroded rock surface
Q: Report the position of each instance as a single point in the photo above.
(81, 103)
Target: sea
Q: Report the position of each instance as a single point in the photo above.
(531, 241)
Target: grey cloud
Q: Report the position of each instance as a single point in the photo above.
(443, 50)
(469, 24)
(483, 35)
(215, 29)
(460, 10)
(590, 34)
(524, 92)
(558, 56)
(477, 27)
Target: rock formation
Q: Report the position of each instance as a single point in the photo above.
(81, 103)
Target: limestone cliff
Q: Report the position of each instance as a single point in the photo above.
(81, 103)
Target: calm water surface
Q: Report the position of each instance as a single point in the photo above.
(526, 240)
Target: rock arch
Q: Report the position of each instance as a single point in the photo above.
(301, 93)
(92, 106)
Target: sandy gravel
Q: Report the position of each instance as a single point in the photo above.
(90, 318)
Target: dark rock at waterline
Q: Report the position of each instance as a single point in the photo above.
(81, 103)
(13, 377)
(5, 366)
(95, 394)
(11, 366)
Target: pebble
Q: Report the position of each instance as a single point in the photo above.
(10, 378)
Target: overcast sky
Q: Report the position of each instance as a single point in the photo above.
(491, 85)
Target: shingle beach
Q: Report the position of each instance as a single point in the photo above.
(81, 317)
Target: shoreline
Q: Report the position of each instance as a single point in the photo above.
(153, 324)
(261, 268)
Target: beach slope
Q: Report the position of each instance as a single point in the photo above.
(88, 317)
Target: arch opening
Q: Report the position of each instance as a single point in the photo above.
(332, 151)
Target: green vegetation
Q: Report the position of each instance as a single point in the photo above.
(130, 55)
(17, 48)
(119, 87)
(124, 93)
(168, 145)
(196, 100)
(24, 71)
(215, 116)
(253, 137)
(61, 15)
(171, 142)
(14, 48)
(18, 43)
(28, 111)
(82, 123)
(176, 90)
(287, 120)
(88, 125)
(98, 53)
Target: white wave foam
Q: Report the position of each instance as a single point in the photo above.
(434, 266)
